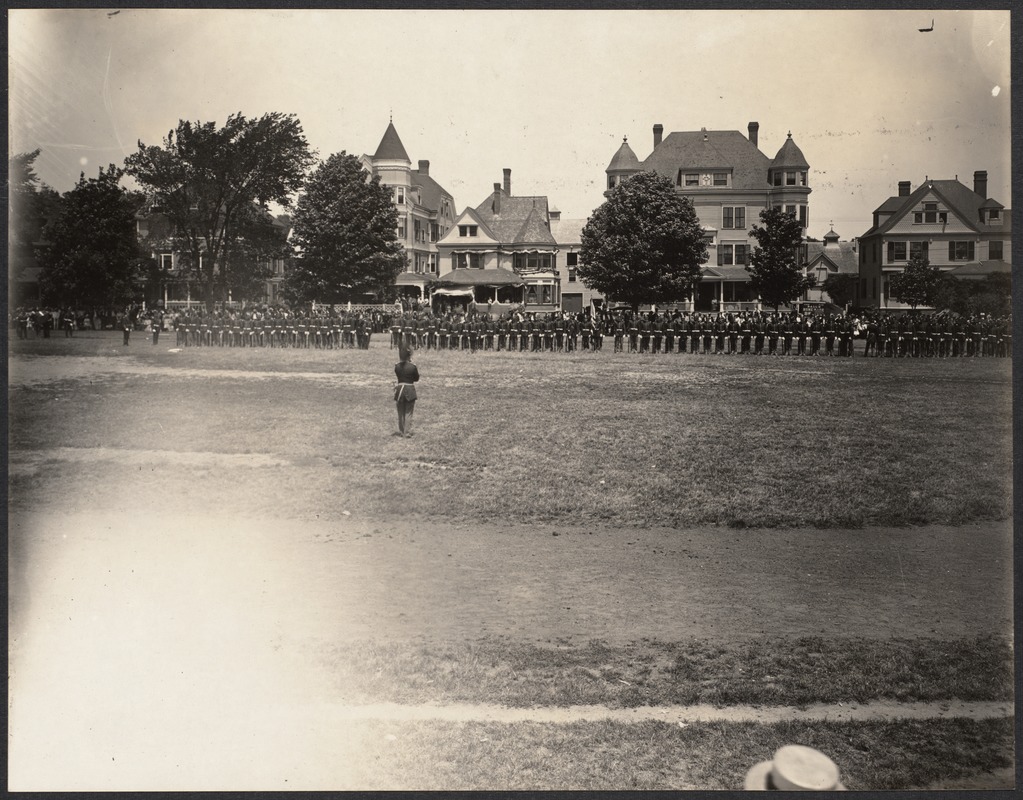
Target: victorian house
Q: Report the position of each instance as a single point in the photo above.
(730, 181)
(425, 209)
(961, 230)
(828, 258)
(502, 252)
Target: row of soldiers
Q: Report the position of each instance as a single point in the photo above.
(274, 327)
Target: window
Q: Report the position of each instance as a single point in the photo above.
(733, 217)
(467, 230)
(790, 179)
(918, 249)
(896, 251)
(692, 179)
(960, 251)
(400, 195)
(533, 262)
(729, 254)
(994, 250)
(417, 230)
(777, 178)
(790, 210)
(610, 182)
(802, 179)
(547, 294)
(432, 266)
(468, 260)
(802, 216)
(873, 287)
(434, 231)
(720, 178)
(401, 228)
(571, 275)
(930, 215)
(166, 261)
(994, 214)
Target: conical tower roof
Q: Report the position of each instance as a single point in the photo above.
(391, 147)
(624, 159)
(790, 156)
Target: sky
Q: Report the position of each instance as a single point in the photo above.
(869, 99)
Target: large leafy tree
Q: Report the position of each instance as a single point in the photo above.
(345, 234)
(841, 288)
(207, 179)
(774, 265)
(644, 244)
(94, 253)
(919, 284)
(32, 205)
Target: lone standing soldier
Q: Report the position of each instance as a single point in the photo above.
(405, 392)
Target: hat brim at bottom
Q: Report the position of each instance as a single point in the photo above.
(758, 777)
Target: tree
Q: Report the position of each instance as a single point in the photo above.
(774, 267)
(345, 234)
(32, 205)
(840, 288)
(917, 284)
(644, 244)
(207, 179)
(94, 254)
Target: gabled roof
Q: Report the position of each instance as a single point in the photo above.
(790, 156)
(568, 231)
(430, 191)
(496, 276)
(960, 199)
(477, 219)
(842, 256)
(710, 149)
(624, 159)
(518, 217)
(391, 147)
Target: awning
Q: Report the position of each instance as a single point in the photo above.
(727, 272)
(454, 292)
(479, 277)
(412, 279)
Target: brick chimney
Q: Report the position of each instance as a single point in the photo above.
(904, 189)
(980, 183)
(507, 181)
(754, 131)
(658, 132)
(497, 198)
(424, 167)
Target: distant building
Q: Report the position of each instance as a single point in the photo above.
(426, 210)
(827, 258)
(503, 251)
(576, 296)
(730, 181)
(964, 232)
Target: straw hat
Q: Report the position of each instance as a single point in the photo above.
(795, 768)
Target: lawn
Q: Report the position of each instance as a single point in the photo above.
(582, 439)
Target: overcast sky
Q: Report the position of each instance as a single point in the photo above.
(549, 94)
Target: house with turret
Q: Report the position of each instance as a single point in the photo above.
(730, 181)
(426, 211)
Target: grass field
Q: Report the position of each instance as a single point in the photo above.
(578, 439)
(563, 529)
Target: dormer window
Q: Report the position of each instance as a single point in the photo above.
(720, 178)
(790, 179)
(692, 179)
(467, 230)
(777, 177)
(994, 214)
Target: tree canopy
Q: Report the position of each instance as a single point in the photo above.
(344, 231)
(841, 288)
(32, 205)
(94, 255)
(207, 179)
(774, 268)
(644, 244)
(918, 284)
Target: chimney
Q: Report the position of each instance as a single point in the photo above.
(424, 167)
(754, 130)
(497, 198)
(980, 183)
(507, 181)
(658, 131)
(904, 189)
